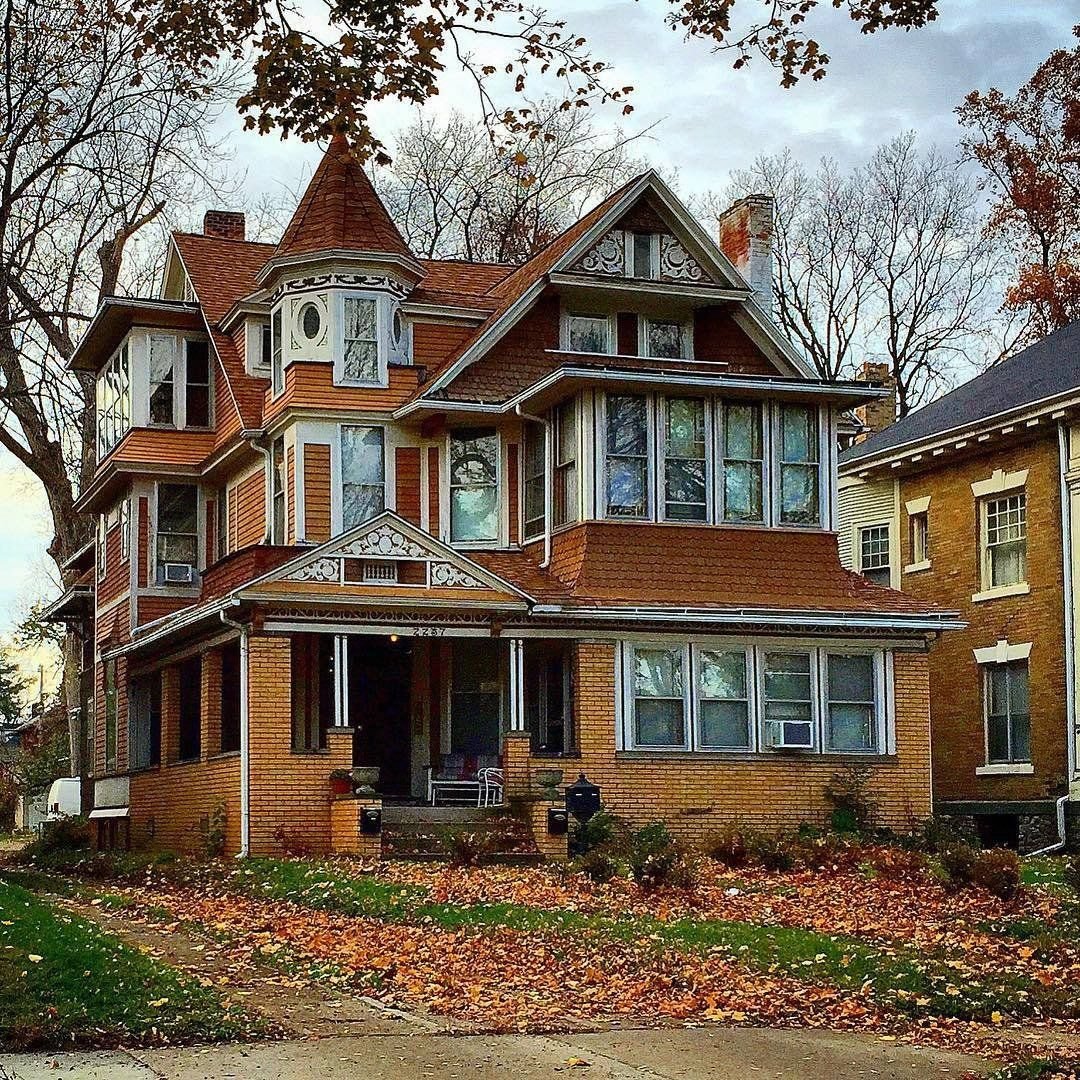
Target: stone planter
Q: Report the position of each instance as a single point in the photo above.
(548, 781)
(366, 779)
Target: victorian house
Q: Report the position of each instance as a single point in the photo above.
(972, 503)
(436, 518)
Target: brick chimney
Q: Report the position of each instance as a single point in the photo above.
(878, 414)
(228, 224)
(746, 238)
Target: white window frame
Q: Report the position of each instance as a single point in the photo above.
(277, 350)
(175, 408)
(628, 254)
(630, 697)
(382, 336)
(650, 459)
(696, 648)
(686, 337)
(531, 429)
(124, 515)
(610, 329)
(279, 491)
(918, 523)
(448, 488)
(860, 547)
(879, 674)
(101, 548)
(341, 468)
(986, 548)
(777, 463)
(815, 721)
(560, 467)
(720, 405)
(1012, 763)
(114, 413)
(179, 344)
(200, 532)
(662, 442)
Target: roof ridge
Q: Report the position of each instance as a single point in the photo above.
(224, 239)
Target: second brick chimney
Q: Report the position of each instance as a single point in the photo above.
(878, 414)
(228, 224)
(746, 238)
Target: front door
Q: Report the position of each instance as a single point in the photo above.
(380, 679)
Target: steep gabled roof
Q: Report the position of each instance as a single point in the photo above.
(1044, 371)
(341, 211)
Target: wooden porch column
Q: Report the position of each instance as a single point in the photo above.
(517, 685)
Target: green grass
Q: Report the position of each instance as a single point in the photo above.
(65, 982)
(910, 982)
(1047, 870)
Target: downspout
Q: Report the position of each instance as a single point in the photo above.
(1058, 844)
(245, 739)
(253, 439)
(549, 455)
(1067, 587)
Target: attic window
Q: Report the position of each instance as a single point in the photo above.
(644, 252)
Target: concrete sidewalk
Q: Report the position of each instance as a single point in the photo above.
(652, 1054)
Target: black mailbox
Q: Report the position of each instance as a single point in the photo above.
(371, 820)
(558, 821)
(582, 798)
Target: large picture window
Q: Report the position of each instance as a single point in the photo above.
(800, 466)
(363, 474)
(1008, 716)
(659, 696)
(744, 463)
(627, 458)
(361, 339)
(684, 460)
(474, 486)
(177, 544)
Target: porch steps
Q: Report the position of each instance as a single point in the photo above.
(422, 832)
(404, 819)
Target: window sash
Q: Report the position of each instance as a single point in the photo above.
(919, 528)
(686, 472)
(842, 708)
(1008, 713)
(161, 366)
(626, 463)
(474, 486)
(565, 481)
(743, 468)
(534, 480)
(800, 465)
(589, 334)
(788, 717)
(665, 339)
(277, 367)
(1005, 540)
(113, 401)
(177, 534)
(361, 360)
(737, 698)
(278, 481)
(363, 473)
(657, 706)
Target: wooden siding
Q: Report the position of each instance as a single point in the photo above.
(247, 519)
(407, 481)
(311, 386)
(434, 482)
(163, 446)
(435, 343)
(316, 492)
(512, 490)
(142, 570)
(290, 496)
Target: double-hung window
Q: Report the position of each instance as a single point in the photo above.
(659, 696)
(874, 561)
(534, 470)
(177, 544)
(162, 369)
(474, 486)
(684, 460)
(277, 356)
(627, 456)
(179, 381)
(919, 536)
(1008, 717)
(360, 344)
(744, 462)
(588, 334)
(278, 483)
(851, 700)
(723, 699)
(800, 466)
(565, 486)
(643, 250)
(1005, 540)
(363, 474)
(196, 384)
(788, 699)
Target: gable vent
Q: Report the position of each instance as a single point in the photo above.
(378, 572)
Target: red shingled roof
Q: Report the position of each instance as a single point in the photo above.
(340, 210)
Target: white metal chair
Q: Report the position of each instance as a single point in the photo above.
(491, 787)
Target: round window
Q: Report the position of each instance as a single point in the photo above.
(310, 321)
(397, 328)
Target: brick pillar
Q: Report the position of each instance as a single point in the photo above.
(517, 745)
(211, 703)
(170, 714)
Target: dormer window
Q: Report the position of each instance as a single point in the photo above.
(174, 363)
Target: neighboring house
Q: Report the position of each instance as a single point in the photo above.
(361, 508)
(970, 503)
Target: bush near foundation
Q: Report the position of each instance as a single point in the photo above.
(656, 860)
(997, 871)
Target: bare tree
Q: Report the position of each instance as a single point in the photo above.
(93, 146)
(887, 261)
(455, 194)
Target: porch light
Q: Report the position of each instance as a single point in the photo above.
(582, 798)
(393, 637)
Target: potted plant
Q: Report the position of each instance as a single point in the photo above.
(341, 782)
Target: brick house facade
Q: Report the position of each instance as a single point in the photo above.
(930, 488)
(360, 510)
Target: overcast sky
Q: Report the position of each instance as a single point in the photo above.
(709, 120)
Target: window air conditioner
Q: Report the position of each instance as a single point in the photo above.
(178, 573)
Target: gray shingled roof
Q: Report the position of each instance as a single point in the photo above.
(1047, 369)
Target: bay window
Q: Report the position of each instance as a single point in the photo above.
(851, 702)
(179, 381)
(474, 486)
(734, 698)
(684, 459)
(743, 463)
(113, 401)
(176, 546)
(363, 474)
(800, 466)
(360, 345)
(659, 697)
(627, 457)
(723, 689)
(534, 475)
(589, 334)
(162, 368)
(565, 486)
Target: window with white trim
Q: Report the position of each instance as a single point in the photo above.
(589, 334)
(1004, 540)
(113, 401)
(178, 381)
(626, 470)
(360, 340)
(919, 537)
(1008, 713)
(643, 254)
(162, 372)
(363, 474)
(800, 466)
(565, 483)
(685, 464)
(874, 559)
(534, 476)
(659, 696)
(743, 462)
(124, 513)
(278, 484)
(176, 546)
(723, 699)
(100, 547)
(851, 703)
(666, 339)
(474, 486)
(277, 361)
(788, 699)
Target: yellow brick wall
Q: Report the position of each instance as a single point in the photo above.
(695, 793)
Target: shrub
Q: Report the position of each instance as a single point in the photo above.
(657, 860)
(896, 863)
(603, 829)
(849, 792)
(997, 871)
(774, 851)
(833, 851)
(728, 846)
(940, 833)
(63, 834)
(212, 829)
(293, 843)
(597, 865)
(958, 862)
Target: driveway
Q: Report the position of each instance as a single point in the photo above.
(417, 1051)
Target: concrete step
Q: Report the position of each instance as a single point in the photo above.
(405, 818)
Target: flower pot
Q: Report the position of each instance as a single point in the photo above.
(341, 785)
(548, 780)
(366, 778)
